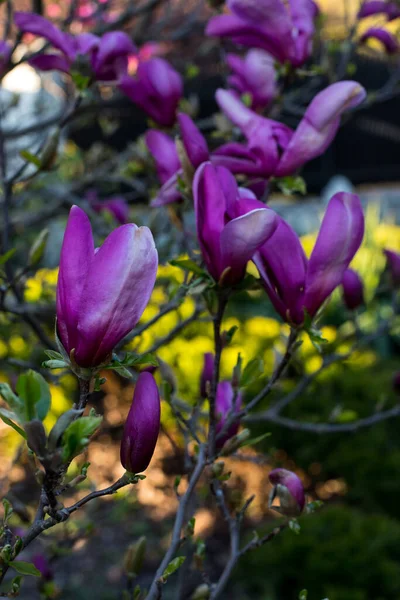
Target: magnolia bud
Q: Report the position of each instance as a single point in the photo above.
(217, 469)
(393, 263)
(235, 442)
(134, 557)
(227, 401)
(206, 374)
(353, 293)
(202, 592)
(289, 489)
(142, 425)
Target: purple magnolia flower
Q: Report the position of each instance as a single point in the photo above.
(254, 74)
(280, 150)
(294, 283)
(289, 489)
(206, 374)
(142, 425)
(227, 246)
(284, 29)
(235, 157)
(157, 89)
(226, 402)
(5, 53)
(107, 56)
(375, 7)
(42, 564)
(115, 205)
(393, 262)
(101, 294)
(386, 38)
(353, 289)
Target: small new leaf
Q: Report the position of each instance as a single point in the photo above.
(31, 158)
(25, 568)
(252, 371)
(255, 440)
(188, 265)
(303, 595)
(291, 185)
(33, 389)
(173, 566)
(76, 436)
(294, 526)
(5, 257)
(37, 249)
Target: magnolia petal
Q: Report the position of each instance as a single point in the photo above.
(194, 142)
(242, 237)
(164, 152)
(117, 290)
(339, 238)
(33, 23)
(77, 254)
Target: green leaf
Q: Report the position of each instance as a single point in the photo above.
(313, 506)
(347, 416)
(313, 332)
(5, 257)
(294, 526)
(247, 99)
(37, 249)
(35, 392)
(25, 568)
(81, 81)
(54, 364)
(303, 595)
(98, 382)
(54, 355)
(9, 418)
(173, 566)
(192, 71)
(8, 510)
(291, 184)
(31, 158)
(252, 371)
(12, 400)
(188, 265)
(76, 436)
(255, 440)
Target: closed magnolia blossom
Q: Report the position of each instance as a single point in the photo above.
(380, 7)
(294, 283)
(353, 289)
(156, 88)
(227, 402)
(280, 150)
(115, 205)
(206, 374)
(5, 53)
(393, 263)
(255, 74)
(142, 425)
(284, 29)
(102, 293)
(107, 56)
(234, 156)
(227, 245)
(386, 38)
(289, 489)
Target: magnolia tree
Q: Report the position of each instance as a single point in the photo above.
(222, 172)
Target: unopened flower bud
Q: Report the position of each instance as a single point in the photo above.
(134, 557)
(202, 592)
(234, 443)
(217, 469)
(353, 289)
(206, 374)
(42, 564)
(288, 488)
(142, 425)
(227, 402)
(393, 263)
